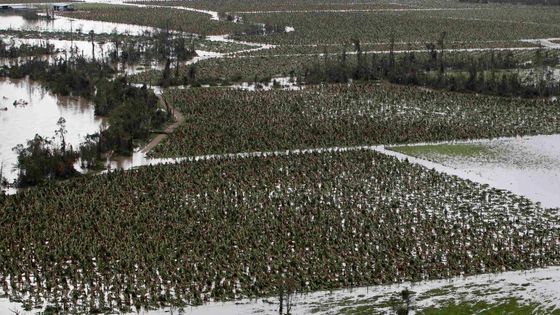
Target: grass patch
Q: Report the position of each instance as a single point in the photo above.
(509, 306)
(452, 150)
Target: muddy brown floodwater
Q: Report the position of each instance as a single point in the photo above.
(37, 112)
(66, 24)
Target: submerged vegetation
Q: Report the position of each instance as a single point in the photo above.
(9, 51)
(133, 112)
(322, 220)
(43, 159)
(75, 77)
(219, 227)
(460, 149)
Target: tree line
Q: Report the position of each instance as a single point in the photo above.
(495, 73)
(132, 112)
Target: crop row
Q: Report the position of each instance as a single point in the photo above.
(180, 20)
(426, 26)
(251, 5)
(170, 235)
(220, 120)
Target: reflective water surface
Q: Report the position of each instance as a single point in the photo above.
(26, 109)
(528, 166)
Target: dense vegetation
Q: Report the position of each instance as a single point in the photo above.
(65, 77)
(483, 74)
(273, 224)
(162, 45)
(45, 159)
(24, 50)
(179, 20)
(264, 66)
(220, 120)
(469, 24)
(308, 222)
(133, 111)
(260, 5)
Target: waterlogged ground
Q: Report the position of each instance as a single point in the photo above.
(37, 112)
(523, 292)
(65, 24)
(528, 166)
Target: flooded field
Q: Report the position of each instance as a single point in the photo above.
(519, 291)
(37, 112)
(528, 166)
(309, 218)
(65, 24)
(79, 47)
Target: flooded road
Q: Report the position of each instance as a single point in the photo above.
(37, 112)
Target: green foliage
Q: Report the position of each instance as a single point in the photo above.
(289, 5)
(192, 22)
(435, 72)
(42, 160)
(133, 112)
(25, 50)
(220, 120)
(445, 149)
(75, 77)
(509, 306)
(224, 229)
(377, 26)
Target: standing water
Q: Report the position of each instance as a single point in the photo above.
(27, 109)
(528, 166)
(66, 24)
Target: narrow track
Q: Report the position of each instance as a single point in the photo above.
(179, 119)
